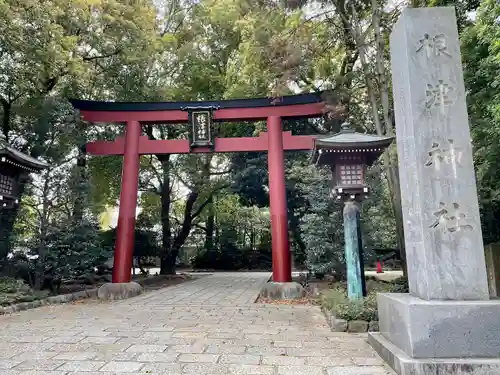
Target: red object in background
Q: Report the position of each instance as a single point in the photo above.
(379, 267)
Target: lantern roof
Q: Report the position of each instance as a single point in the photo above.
(18, 159)
(349, 141)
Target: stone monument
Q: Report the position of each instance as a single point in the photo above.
(446, 324)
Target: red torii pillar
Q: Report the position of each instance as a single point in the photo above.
(282, 270)
(124, 248)
(277, 199)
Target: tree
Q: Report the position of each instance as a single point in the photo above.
(481, 59)
(63, 239)
(52, 49)
(321, 223)
(377, 84)
(242, 238)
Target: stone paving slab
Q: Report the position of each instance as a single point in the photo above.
(207, 326)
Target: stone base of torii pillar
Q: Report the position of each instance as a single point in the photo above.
(447, 324)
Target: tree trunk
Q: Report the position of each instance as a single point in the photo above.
(187, 223)
(395, 192)
(7, 109)
(384, 127)
(210, 226)
(171, 247)
(342, 96)
(7, 216)
(390, 159)
(44, 227)
(252, 239)
(167, 266)
(80, 186)
(165, 261)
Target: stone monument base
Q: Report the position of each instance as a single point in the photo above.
(279, 291)
(402, 364)
(420, 336)
(440, 329)
(117, 291)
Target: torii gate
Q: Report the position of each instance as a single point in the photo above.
(201, 115)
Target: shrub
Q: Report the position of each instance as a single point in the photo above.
(336, 300)
(366, 309)
(146, 242)
(15, 291)
(11, 285)
(232, 258)
(400, 285)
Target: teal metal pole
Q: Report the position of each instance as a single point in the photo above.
(353, 253)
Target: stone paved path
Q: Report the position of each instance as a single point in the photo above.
(207, 326)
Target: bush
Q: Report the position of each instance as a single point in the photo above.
(336, 300)
(146, 242)
(11, 285)
(67, 251)
(400, 285)
(321, 224)
(232, 258)
(15, 291)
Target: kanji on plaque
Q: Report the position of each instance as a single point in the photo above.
(450, 218)
(202, 123)
(433, 46)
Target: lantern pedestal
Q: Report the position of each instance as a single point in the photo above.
(356, 285)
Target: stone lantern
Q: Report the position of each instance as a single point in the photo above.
(348, 154)
(14, 165)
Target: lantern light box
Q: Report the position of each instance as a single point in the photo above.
(349, 153)
(13, 165)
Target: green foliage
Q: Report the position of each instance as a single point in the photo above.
(73, 250)
(321, 224)
(250, 178)
(146, 242)
(400, 286)
(48, 51)
(16, 291)
(481, 59)
(231, 258)
(377, 217)
(11, 285)
(104, 187)
(242, 239)
(336, 300)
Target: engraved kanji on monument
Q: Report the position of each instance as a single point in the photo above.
(443, 237)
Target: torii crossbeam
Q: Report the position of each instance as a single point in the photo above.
(202, 115)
